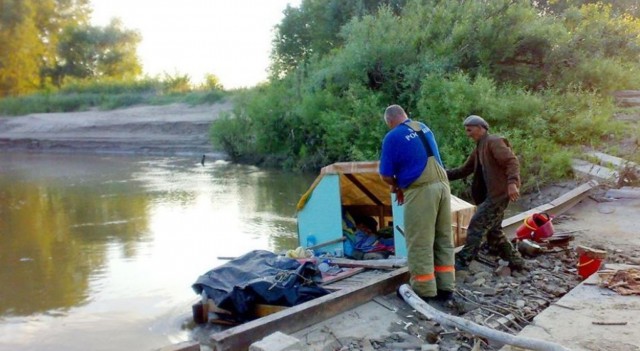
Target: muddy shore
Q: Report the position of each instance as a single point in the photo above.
(176, 129)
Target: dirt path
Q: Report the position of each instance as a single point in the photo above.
(161, 130)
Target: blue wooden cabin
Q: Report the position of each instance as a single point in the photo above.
(356, 187)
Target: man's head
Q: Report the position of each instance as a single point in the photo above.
(394, 115)
(476, 127)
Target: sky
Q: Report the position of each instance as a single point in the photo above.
(228, 38)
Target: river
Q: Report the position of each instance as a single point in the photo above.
(99, 252)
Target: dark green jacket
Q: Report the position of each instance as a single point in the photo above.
(494, 166)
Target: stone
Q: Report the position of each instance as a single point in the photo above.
(482, 275)
(277, 341)
(475, 267)
(461, 276)
(503, 271)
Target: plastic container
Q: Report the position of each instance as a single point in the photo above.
(543, 232)
(587, 265)
(524, 232)
(538, 226)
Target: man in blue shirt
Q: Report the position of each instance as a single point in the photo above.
(410, 163)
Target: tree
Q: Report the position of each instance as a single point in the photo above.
(96, 52)
(212, 82)
(314, 27)
(20, 48)
(629, 7)
(43, 41)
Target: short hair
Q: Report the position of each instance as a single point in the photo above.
(394, 112)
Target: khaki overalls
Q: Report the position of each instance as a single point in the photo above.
(427, 221)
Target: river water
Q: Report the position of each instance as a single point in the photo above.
(99, 252)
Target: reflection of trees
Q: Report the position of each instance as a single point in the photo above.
(54, 237)
(269, 196)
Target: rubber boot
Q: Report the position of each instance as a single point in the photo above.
(508, 253)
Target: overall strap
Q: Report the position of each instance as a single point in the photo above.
(415, 126)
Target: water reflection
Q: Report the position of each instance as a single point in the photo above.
(92, 246)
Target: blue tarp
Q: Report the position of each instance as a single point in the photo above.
(260, 277)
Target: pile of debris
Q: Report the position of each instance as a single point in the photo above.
(489, 295)
(508, 301)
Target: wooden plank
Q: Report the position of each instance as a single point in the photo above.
(262, 310)
(334, 241)
(301, 316)
(371, 264)
(555, 207)
(346, 273)
(369, 210)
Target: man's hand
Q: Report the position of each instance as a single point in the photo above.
(514, 193)
(399, 194)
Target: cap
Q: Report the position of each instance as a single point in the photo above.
(474, 120)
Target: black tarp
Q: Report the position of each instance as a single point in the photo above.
(260, 277)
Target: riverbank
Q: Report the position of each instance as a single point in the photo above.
(175, 129)
(179, 129)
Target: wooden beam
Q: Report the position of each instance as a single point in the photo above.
(328, 279)
(301, 316)
(369, 210)
(364, 189)
(334, 241)
(262, 310)
(371, 264)
(555, 207)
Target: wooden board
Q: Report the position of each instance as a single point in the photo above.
(555, 207)
(301, 316)
(262, 310)
(346, 272)
(390, 264)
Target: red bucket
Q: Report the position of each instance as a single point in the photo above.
(541, 226)
(526, 229)
(523, 232)
(587, 265)
(544, 231)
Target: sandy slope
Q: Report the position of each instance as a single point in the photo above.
(168, 129)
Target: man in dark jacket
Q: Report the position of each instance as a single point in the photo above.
(496, 181)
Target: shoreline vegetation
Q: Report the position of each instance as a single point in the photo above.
(114, 94)
(543, 74)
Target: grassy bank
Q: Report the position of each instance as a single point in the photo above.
(109, 95)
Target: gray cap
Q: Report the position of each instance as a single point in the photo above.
(474, 120)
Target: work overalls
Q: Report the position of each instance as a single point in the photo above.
(427, 221)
